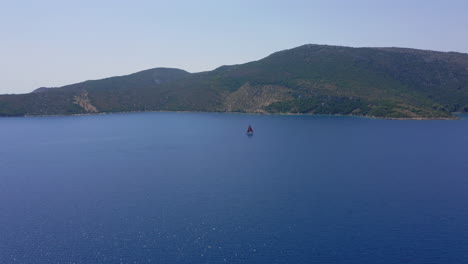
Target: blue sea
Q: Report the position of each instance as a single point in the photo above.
(193, 188)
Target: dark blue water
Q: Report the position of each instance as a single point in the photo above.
(192, 188)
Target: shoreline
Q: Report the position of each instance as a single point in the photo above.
(454, 117)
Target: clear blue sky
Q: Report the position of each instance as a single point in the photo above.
(53, 43)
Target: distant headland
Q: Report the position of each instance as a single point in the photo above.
(395, 83)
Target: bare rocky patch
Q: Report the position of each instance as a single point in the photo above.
(83, 100)
(254, 98)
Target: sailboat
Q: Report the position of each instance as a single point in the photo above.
(249, 131)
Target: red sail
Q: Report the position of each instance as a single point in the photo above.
(250, 130)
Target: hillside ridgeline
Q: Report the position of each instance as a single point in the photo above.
(310, 79)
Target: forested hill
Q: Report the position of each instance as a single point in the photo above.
(310, 79)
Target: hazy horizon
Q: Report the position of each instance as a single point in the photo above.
(52, 43)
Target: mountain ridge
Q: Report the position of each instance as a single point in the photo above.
(309, 79)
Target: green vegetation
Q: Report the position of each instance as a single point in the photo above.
(321, 105)
(311, 79)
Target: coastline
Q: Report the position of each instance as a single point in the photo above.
(455, 116)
